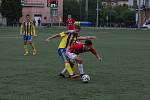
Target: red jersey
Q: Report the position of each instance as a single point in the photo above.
(70, 24)
(78, 48)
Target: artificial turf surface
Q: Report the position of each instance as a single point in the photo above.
(124, 73)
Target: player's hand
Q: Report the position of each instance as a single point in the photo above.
(91, 37)
(20, 36)
(100, 59)
(47, 40)
(94, 37)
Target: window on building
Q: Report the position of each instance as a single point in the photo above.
(54, 12)
(52, 3)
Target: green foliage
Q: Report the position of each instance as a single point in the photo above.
(116, 16)
(120, 15)
(129, 16)
(12, 10)
(77, 10)
(71, 7)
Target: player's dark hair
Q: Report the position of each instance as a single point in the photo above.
(27, 15)
(88, 42)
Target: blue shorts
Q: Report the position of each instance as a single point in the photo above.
(27, 38)
(62, 53)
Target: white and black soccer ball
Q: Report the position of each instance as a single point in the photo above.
(85, 78)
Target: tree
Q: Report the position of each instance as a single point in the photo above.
(71, 7)
(77, 9)
(118, 15)
(12, 10)
(129, 18)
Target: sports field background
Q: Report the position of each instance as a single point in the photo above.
(124, 73)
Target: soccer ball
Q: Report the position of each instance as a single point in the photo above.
(85, 78)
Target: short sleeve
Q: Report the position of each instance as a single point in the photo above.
(62, 34)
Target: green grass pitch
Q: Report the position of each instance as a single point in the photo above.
(124, 73)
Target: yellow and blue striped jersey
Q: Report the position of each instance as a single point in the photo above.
(27, 28)
(67, 39)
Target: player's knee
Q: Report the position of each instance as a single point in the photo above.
(65, 61)
(79, 61)
(25, 43)
(30, 42)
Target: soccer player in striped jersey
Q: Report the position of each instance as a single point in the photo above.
(27, 29)
(67, 38)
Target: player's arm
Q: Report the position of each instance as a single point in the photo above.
(86, 37)
(52, 37)
(21, 26)
(21, 29)
(33, 30)
(67, 22)
(67, 49)
(98, 57)
(93, 51)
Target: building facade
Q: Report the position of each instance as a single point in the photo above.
(43, 11)
(122, 2)
(143, 10)
(114, 2)
(142, 3)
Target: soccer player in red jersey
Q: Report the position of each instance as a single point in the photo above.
(70, 23)
(76, 48)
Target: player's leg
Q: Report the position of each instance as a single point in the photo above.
(73, 65)
(60, 52)
(74, 68)
(32, 45)
(62, 73)
(80, 65)
(25, 49)
(68, 66)
(25, 45)
(72, 57)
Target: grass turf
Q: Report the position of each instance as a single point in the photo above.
(123, 74)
